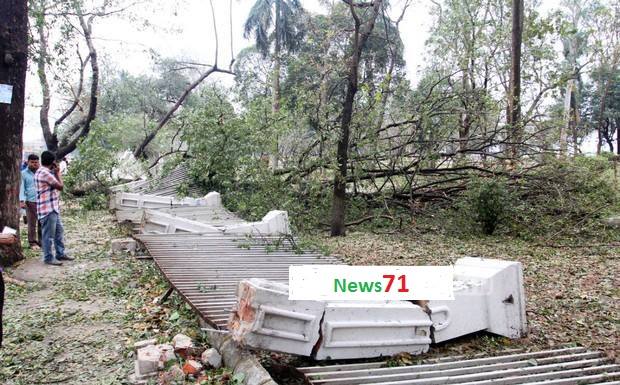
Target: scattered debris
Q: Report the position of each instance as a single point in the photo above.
(147, 362)
(166, 355)
(192, 367)
(123, 245)
(160, 360)
(174, 375)
(141, 344)
(181, 342)
(212, 358)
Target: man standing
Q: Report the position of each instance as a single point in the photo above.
(28, 201)
(49, 184)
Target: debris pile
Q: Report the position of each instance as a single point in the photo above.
(175, 362)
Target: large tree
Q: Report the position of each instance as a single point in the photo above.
(363, 26)
(275, 23)
(514, 97)
(63, 71)
(13, 66)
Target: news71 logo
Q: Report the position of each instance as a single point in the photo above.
(341, 285)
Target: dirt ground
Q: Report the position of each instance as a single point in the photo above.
(53, 335)
(76, 324)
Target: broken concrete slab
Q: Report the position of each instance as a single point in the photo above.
(212, 358)
(489, 296)
(237, 359)
(166, 355)
(182, 342)
(373, 329)
(213, 199)
(123, 244)
(274, 222)
(265, 318)
(143, 343)
(158, 222)
(147, 362)
(129, 201)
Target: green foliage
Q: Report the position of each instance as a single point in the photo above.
(561, 199)
(568, 199)
(95, 201)
(284, 16)
(96, 155)
(486, 204)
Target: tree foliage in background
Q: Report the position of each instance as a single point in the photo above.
(442, 143)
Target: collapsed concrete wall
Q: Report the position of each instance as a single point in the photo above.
(130, 201)
(154, 221)
(488, 296)
(148, 211)
(274, 222)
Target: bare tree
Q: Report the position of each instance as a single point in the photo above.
(81, 110)
(13, 65)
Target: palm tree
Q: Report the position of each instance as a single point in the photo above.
(275, 23)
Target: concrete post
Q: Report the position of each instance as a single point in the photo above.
(274, 223)
(155, 221)
(489, 296)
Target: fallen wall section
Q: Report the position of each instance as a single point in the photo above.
(488, 296)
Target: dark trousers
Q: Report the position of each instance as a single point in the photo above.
(34, 227)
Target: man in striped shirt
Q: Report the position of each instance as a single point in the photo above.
(49, 184)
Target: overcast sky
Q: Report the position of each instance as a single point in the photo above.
(186, 30)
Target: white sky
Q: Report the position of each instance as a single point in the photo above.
(186, 30)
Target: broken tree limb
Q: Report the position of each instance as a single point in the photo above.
(164, 297)
(139, 152)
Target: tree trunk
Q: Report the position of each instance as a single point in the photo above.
(140, 151)
(51, 141)
(274, 158)
(13, 65)
(564, 128)
(514, 99)
(275, 107)
(618, 136)
(81, 127)
(359, 38)
(465, 118)
(601, 115)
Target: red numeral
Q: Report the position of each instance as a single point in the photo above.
(391, 280)
(403, 284)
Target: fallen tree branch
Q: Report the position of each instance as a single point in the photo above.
(362, 220)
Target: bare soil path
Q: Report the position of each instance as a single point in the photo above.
(63, 326)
